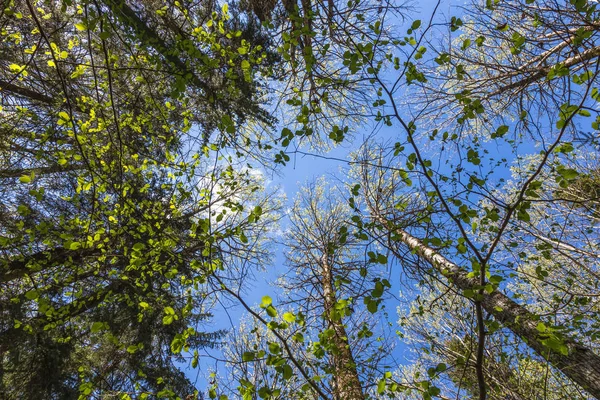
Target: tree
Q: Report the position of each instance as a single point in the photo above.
(113, 117)
(575, 359)
(460, 204)
(319, 251)
(319, 340)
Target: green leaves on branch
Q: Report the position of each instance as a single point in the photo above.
(266, 304)
(170, 316)
(552, 339)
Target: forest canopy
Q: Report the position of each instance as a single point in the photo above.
(451, 252)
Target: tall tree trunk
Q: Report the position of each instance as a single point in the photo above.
(581, 364)
(347, 384)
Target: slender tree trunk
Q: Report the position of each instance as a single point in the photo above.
(581, 364)
(347, 384)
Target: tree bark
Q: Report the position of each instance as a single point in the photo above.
(346, 381)
(580, 58)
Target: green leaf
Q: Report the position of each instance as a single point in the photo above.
(287, 372)
(271, 311)
(25, 179)
(568, 173)
(289, 317)
(79, 70)
(169, 311)
(381, 386)
(372, 306)
(132, 349)
(473, 157)
(274, 348)
(97, 327)
(565, 148)
(177, 344)
(523, 215)
(32, 294)
(266, 301)
(556, 344)
(378, 291)
(15, 68)
(500, 132)
(466, 43)
(248, 356)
